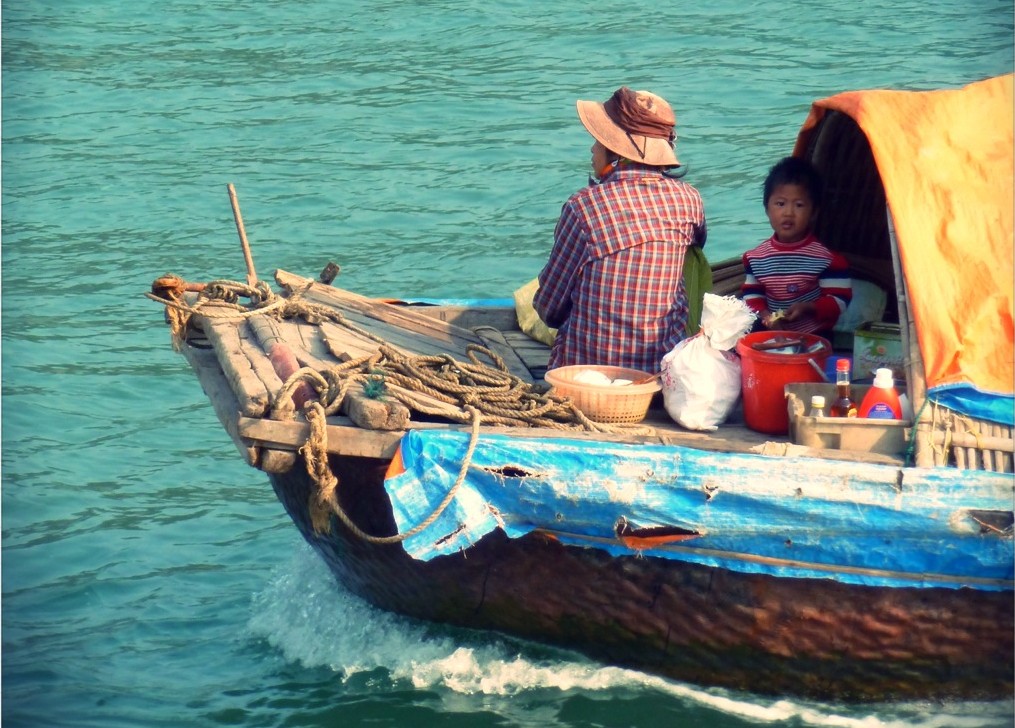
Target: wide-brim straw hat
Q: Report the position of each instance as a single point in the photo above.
(637, 125)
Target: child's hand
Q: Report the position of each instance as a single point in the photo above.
(799, 310)
(771, 319)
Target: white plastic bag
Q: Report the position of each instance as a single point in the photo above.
(701, 376)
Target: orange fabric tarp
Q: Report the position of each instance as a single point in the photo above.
(945, 158)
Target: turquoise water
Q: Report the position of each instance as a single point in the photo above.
(149, 577)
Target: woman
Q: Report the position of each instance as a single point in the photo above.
(613, 284)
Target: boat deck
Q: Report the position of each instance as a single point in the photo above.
(233, 360)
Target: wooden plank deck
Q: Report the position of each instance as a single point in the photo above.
(403, 326)
(238, 377)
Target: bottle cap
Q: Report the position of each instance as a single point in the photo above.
(883, 378)
(817, 401)
(842, 365)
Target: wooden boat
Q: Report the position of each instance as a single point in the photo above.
(417, 450)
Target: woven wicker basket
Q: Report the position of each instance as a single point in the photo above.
(626, 403)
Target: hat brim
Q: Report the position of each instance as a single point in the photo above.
(637, 148)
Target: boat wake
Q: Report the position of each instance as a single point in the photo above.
(310, 619)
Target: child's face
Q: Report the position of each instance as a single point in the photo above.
(790, 211)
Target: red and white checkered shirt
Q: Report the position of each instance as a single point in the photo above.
(613, 285)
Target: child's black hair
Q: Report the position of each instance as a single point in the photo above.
(794, 171)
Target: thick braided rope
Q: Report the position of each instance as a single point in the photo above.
(219, 300)
(326, 487)
(315, 454)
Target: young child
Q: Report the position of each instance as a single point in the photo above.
(794, 283)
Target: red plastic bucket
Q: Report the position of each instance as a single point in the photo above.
(764, 375)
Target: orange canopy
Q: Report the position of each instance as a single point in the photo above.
(945, 159)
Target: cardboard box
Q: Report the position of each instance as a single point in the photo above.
(841, 433)
(877, 345)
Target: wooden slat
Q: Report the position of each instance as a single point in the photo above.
(309, 338)
(403, 326)
(970, 441)
(260, 364)
(406, 341)
(344, 438)
(1004, 458)
(495, 341)
(342, 342)
(250, 391)
(210, 371)
(307, 345)
(223, 399)
(398, 316)
(469, 317)
(337, 339)
(727, 277)
(535, 354)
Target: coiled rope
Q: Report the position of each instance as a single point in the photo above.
(473, 392)
(216, 299)
(324, 499)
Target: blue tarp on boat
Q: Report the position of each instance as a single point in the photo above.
(801, 517)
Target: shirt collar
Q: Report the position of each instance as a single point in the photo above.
(627, 171)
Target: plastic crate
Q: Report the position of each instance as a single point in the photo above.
(888, 437)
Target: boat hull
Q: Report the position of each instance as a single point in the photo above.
(810, 637)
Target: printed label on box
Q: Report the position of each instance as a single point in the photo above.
(877, 345)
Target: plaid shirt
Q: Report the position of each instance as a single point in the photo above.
(613, 285)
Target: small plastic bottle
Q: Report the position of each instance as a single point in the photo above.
(843, 404)
(881, 401)
(818, 406)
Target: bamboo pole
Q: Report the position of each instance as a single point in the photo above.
(1003, 458)
(251, 273)
(916, 383)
